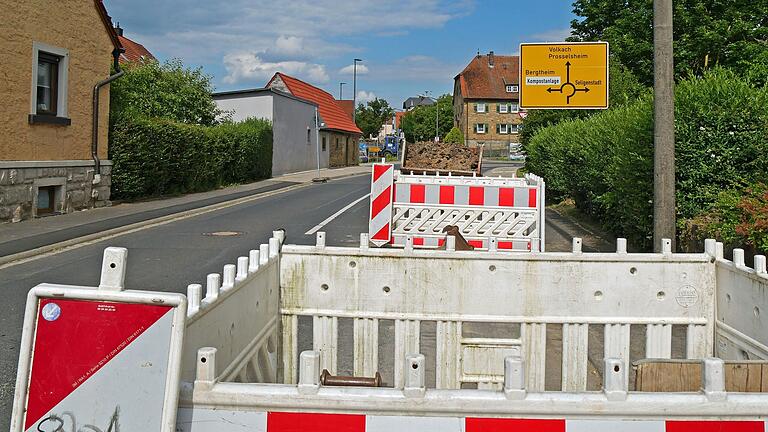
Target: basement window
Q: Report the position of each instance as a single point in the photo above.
(46, 200)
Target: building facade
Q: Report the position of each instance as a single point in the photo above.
(49, 65)
(338, 132)
(486, 103)
(294, 131)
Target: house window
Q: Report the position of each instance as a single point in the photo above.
(480, 128)
(503, 108)
(503, 129)
(480, 107)
(309, 132)
(514, 128)
(512, 88)
(48, 103)
(323, 143)
(47, 83)
(514, 107)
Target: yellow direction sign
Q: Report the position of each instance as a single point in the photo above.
(567, 75)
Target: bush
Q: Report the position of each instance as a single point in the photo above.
(168, 90)
(454, 136)
(159, 156)
(605, 162)
(738, 218)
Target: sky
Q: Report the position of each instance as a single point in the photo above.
(408, 47)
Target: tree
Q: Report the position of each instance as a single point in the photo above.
(707, 33)
(624, 89)
(454, 136)
(164, 90)
(370, 117)
(419, 124)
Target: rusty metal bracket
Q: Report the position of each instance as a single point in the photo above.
(327, 379)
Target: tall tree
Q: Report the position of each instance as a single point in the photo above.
(419, 124)
(371, 117)
(730, 33)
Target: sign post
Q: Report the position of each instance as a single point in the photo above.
(564, 75)
(99, 358)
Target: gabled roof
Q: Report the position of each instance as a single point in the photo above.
(107, 21)
(415, 101)
(330, 111)
(480, 80)
(134, 52)
(257, 92)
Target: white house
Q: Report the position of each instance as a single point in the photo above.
(294, 139)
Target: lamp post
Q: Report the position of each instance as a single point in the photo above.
(437, 117)
(341, 90)
(354, 88)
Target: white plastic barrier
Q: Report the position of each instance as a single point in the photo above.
(742, 308)
(238, 315)
(524, 293)
(491, 213)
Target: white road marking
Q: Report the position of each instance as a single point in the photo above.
(319, 226)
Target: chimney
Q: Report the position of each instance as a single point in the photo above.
(118, 30)
(490, 59)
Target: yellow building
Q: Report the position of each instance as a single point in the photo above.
(53, 150)
(486, 103)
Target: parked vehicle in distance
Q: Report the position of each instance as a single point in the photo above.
(363, 151)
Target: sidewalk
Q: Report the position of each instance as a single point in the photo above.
(28, 235)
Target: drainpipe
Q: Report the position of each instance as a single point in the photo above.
(95, 133)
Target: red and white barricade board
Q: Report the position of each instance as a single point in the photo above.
(203, 420)
(380, 221)
(99, 358)
(491, 213)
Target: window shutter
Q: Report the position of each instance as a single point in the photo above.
(498, 128)
(498, 109)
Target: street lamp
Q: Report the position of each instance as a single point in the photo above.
(341, 90)
(437, 117)
(354, 88)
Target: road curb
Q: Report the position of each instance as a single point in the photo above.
(29, 255)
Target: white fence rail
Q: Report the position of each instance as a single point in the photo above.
(526, 294)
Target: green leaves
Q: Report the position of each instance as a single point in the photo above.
(167, 90)
(369, 118)
(161, 157)
(605, 162)
(454, 136)
(419, 124)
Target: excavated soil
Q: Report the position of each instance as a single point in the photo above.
(441, 156)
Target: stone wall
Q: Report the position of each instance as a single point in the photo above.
(343, 149)
(73, 180)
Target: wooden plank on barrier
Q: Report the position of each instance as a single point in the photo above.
(685, 376)
(100, 357)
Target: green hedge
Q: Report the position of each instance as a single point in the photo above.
(159, 157)
(605, 162)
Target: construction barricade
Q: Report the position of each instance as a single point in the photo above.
(490, 213)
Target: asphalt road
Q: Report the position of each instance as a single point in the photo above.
(171, 256)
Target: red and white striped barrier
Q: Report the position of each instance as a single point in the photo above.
(380, 221)
(491, 213)
(210, 420)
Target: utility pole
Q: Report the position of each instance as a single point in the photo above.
(354, 89)
(341, 90)
(664, 125)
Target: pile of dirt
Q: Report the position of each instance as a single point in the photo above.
(441, 156)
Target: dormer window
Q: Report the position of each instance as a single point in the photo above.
(512, 88)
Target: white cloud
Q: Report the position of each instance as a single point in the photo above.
(416, 68)
(289, 45)
(363, 97)
(250, 66)
(349, 70)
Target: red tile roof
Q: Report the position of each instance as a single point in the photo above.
(331, 112)
(134, 51)
(347, 105)
(481, 81)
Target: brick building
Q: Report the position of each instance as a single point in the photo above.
(338, 133)
(53, 149)
(486, 102)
